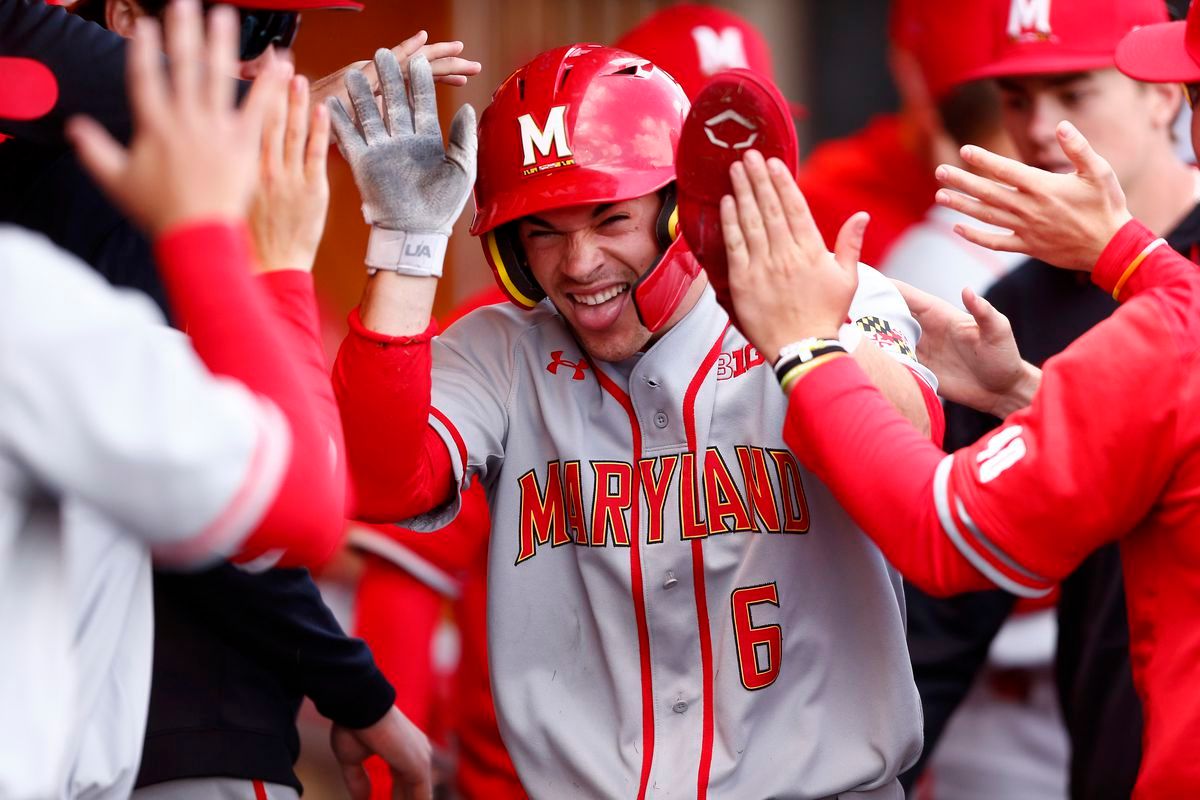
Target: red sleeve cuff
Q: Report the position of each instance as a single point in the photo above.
(933, 407)
(361, 331)
(1119, 253)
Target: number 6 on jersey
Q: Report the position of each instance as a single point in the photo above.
(759, 669)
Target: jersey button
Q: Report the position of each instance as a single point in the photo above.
(660, 419)
(670, 581)
(679, 707)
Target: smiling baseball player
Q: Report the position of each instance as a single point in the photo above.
(674, 603)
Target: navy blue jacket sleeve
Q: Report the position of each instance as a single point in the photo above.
(279, 619)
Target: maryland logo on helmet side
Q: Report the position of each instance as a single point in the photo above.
(539, 142)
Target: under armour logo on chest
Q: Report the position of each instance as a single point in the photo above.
(557, 360)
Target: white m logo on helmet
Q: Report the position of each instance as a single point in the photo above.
(1029, 16)
(719, 51)
(553, 134)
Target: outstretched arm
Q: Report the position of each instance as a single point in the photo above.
(413, 188)
(187, 178)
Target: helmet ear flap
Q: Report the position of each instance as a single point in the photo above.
(510, 268)
(666, 228)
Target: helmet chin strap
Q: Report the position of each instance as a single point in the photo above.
(658, 293)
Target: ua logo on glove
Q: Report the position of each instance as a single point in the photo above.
(557, 361)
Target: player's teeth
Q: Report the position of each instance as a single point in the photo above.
(600, 297)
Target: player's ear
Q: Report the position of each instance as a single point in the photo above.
(1165, 102)
(120, 16)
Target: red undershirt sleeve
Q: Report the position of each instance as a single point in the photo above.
(206, 270)
(881, 469)
(399, 466)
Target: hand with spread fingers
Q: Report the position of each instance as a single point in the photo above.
(194, 155)
(973, 355)
(786, 286)
(1065, 220)
(413, 186)
(287, 216)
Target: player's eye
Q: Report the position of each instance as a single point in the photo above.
(1011, 101)
(613, 220)
(541, 234)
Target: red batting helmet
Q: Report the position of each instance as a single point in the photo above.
(579, 125)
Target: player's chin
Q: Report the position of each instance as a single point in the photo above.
(625, 338)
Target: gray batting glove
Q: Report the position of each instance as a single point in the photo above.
(413, 187)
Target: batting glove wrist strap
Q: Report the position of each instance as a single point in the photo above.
(417, 254)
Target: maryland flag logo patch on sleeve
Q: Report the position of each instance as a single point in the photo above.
(883, 334)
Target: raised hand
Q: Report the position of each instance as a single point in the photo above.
(1065, 220)
(974, 356)
(194, 155)
(413, 186)
(445, 62)
(287, 216)
(786, 286)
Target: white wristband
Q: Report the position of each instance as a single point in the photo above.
(418, 254)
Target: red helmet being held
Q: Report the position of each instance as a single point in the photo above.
(581, 125)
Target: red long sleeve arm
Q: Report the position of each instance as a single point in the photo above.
(1078, 468)
(399, 467)
(293, 300)
(206, 271)
(880, 469)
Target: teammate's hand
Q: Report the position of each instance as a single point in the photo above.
(786, 286)
(402, 746)
(194, 155)
(974, 356)
(409, 180)
(445, 62)
(1065, 220)
(287, 216)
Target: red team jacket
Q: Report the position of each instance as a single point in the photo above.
(1110, 448)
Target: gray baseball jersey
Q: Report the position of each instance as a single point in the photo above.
(676, 607)
(114, 438)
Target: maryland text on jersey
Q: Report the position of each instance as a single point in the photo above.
(769, 499)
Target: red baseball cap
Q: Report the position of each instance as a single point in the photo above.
(944, 37)
(1043, 37)
(693, 43)
(1163, 53)
(28, 89)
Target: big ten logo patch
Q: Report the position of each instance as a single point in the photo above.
(1029, 20)
(738, 362)
(539, 142)
(573, 368)
(719, 51)
(558, 507)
